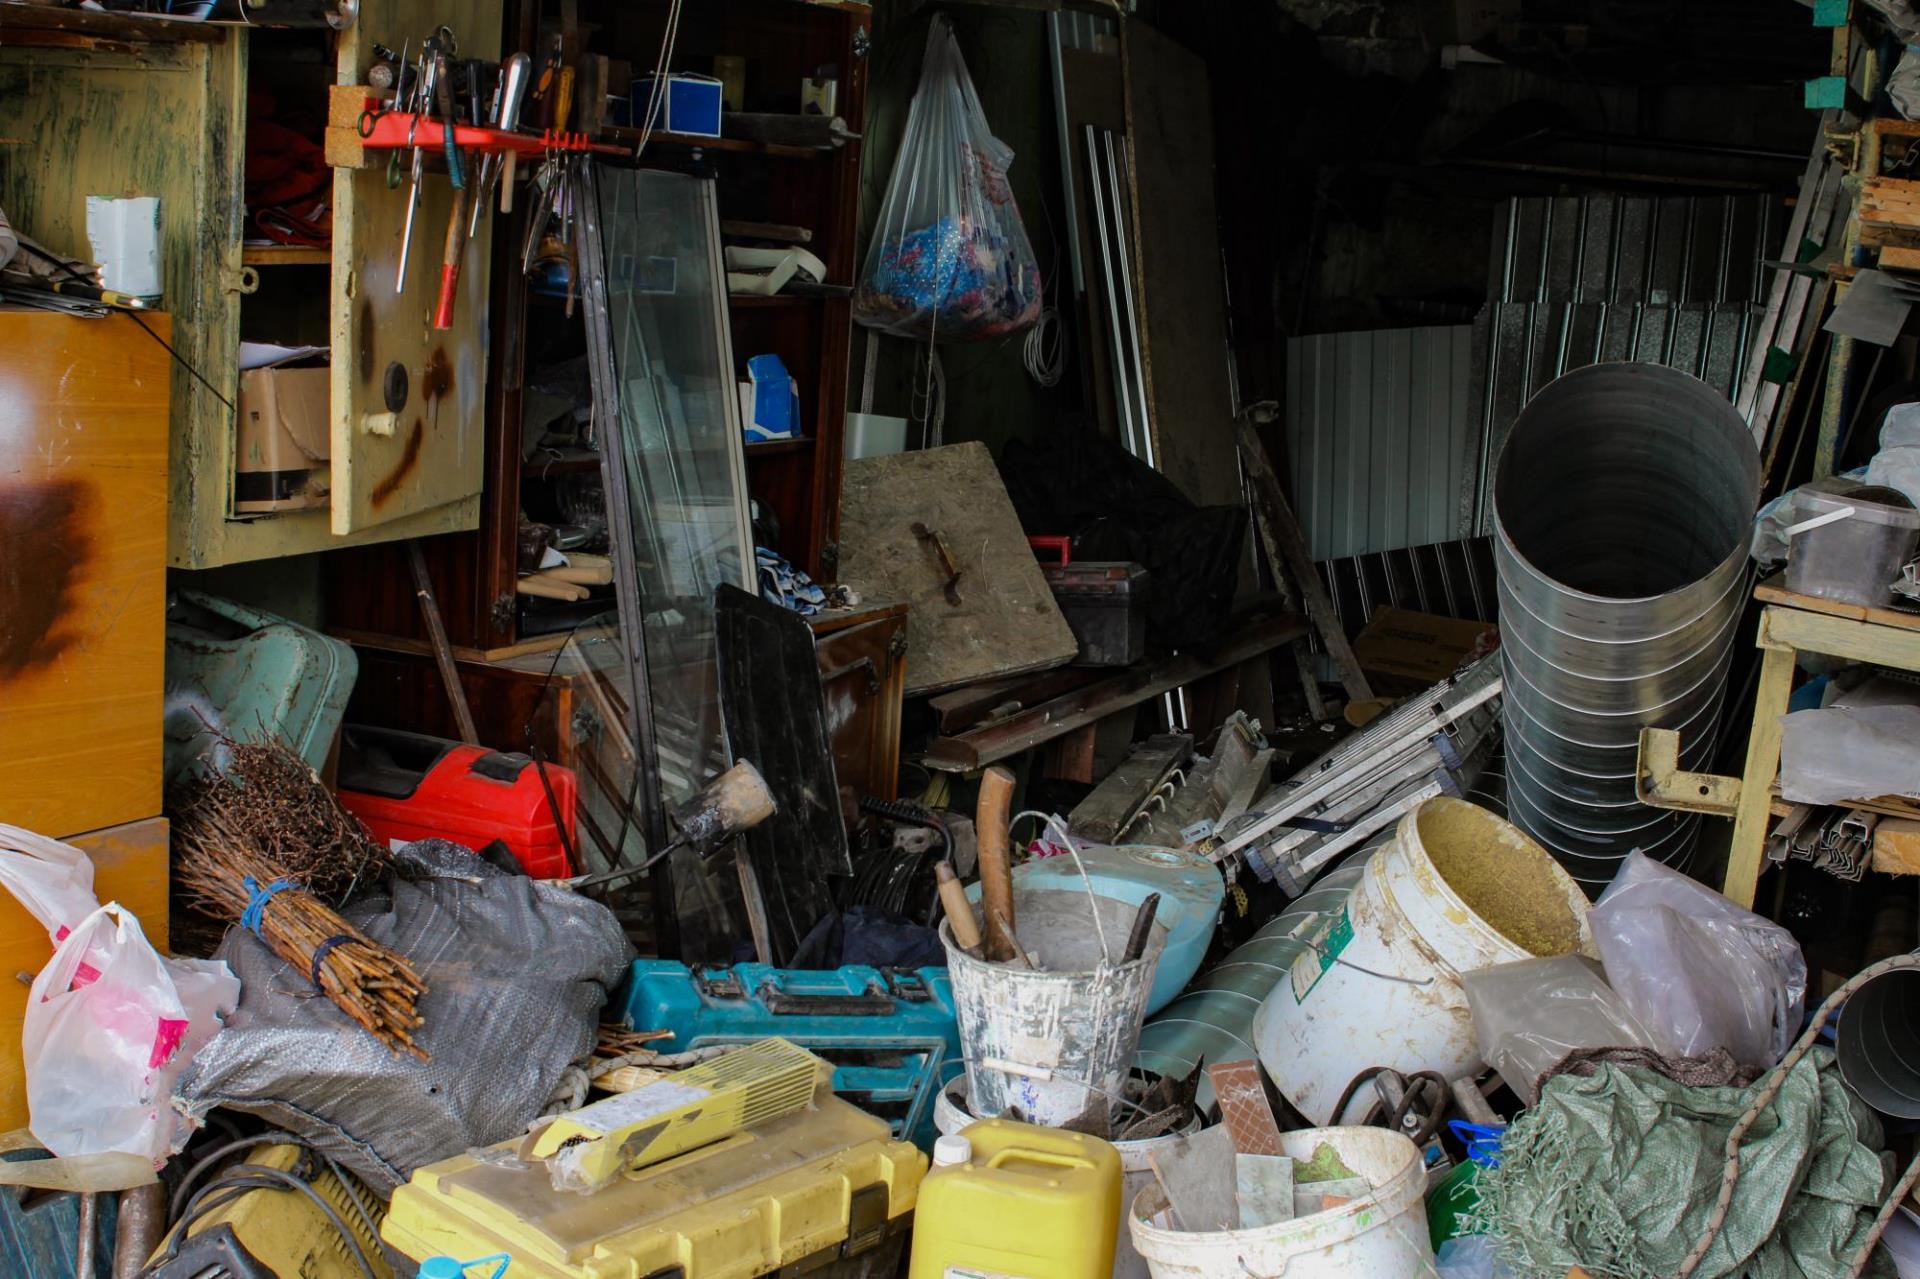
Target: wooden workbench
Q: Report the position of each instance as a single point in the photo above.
(1789, 626)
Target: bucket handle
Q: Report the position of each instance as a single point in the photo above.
(1038, 1157)
(1818, 521)
(1093, 898)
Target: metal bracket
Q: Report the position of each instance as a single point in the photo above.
(1661, 783)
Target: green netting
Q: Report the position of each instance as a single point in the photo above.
(1618, 1173)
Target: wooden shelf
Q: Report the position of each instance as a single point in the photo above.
(773, 448)
(284, 255)
(695, 142)
(42, 25)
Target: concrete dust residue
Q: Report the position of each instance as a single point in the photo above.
(1502, 876)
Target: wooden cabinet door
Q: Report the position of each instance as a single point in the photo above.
(408, 400)
(862, 680)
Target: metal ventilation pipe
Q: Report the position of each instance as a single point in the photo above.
(1622, 505)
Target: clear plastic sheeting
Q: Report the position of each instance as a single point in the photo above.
(1843, 753)
(1528, 1016)
(1698, 971)
(516, 971)
(950, 258)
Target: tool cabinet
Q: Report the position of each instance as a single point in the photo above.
(100, 104)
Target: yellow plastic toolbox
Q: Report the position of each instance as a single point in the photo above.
(828, 1188)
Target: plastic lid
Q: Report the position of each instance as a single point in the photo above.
(1872, 503)
(951, 1149)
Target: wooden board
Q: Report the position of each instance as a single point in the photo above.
(1006, 621)
(1774, 591)
(83, 549)
(130, 867)
(1181, 294)
(429, 453)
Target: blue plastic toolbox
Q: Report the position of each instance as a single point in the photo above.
(890, 1033)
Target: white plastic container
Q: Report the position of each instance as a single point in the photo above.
(1379, 984)
(950, 1116)
(1381, 1236)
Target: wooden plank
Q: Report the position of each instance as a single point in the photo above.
(1896, 846)
(130, 867)
(1286, 548)
(83, 502)
(406, 644)
(1774, 591)
(18, 20)
(1748, 851)
(1070, 756)
(1811, 632)
(388, 464)
(960, 709)
(967, 751)
(1105, 815)
(999, 618)
(1895, 257)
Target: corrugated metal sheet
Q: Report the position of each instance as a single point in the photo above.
(1381, 437)
(1581, 280)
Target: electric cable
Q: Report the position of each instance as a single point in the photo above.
(241, 1179)
(1045, 349)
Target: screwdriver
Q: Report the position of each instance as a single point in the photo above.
(422, 98)
(456, 243)
(506, 117)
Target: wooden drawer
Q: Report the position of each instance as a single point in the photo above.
(83, 501)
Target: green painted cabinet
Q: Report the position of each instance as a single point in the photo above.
(126, 107)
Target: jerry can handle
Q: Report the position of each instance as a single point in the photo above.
(1038, 1157)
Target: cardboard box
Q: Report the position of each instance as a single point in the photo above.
(285, 439)
(1412, 650)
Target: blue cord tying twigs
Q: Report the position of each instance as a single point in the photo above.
(250, 918)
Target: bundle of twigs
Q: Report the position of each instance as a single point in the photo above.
(291, 817)
(214, 860)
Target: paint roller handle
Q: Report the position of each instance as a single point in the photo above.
(990, 815)
(966, 931)
(1142, 929)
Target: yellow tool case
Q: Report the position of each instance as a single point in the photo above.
(826, 1190)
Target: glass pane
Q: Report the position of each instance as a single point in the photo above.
(680, 448)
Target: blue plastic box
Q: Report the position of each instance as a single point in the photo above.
(890, 1033)
(691, 104)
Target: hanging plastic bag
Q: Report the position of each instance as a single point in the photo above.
(109, 1026)
(950, 258)
(1698, 971)
(54, 881)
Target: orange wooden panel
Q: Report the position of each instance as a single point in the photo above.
(83, 545)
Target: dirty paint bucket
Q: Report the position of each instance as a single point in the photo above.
(1877, 1043)
(1052, 1046)
(951, 1114)
(1379, 982)
(1380, 1236)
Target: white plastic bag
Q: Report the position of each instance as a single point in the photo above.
(1695, 969)
(109, 1026)
(1529, 1015)
(950, 257)
(1842, 753)
(54, 881)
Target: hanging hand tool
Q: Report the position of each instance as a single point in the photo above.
(507, 98)
(422, 99)
(456, 244)
(735, 801)
(996, 866)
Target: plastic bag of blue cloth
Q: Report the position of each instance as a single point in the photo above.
(950, 258)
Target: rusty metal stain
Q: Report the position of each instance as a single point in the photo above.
(437, 378)
(409, 459)
(366, 342)
(45, 525)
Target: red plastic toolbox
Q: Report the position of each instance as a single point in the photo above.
(408, 786)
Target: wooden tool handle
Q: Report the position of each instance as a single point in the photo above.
(456, 248)
(996, 855)
(548, 589)
(1142, 929)
(966, 931)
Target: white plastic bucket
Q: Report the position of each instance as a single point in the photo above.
(1381, 1236)
(1380, 983)
(950, 1115)
(1053, 1046)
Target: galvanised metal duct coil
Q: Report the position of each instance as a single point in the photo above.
(1623, 500)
